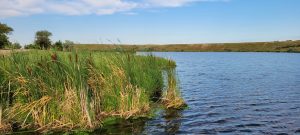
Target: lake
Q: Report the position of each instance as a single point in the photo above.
(229, 93)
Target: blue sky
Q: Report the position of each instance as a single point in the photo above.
(153, 21)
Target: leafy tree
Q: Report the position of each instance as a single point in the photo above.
(42, 39)
(58, 45)
(67, 44)
(4, 31)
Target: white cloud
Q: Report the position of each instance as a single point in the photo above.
(169, 3)
(175, 3)
(10, 8)
(19, 7)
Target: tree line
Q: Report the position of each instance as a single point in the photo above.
(42, 40)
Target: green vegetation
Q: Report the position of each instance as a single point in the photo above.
(14, 46)
(277, 46)
(42, 39)
(31, 46)
(172, 97)
(62, 91)
(58, 45)
(4, 31)
(67, 45)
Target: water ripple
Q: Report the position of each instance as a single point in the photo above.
(234, 93)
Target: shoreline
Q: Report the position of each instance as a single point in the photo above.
(276, 46)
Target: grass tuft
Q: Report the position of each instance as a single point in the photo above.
(172, 98)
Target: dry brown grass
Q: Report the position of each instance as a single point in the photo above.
(7, 52)
(5, 128)
(4, 52)
(172, 98)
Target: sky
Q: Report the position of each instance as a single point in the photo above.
(153, 21)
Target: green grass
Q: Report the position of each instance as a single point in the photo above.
(50, 91)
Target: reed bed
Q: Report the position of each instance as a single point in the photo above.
(62, 91)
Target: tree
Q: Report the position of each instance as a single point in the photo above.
(4, 31)
(68, 44)
(58, 45)
(42, 39)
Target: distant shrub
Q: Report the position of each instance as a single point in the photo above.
(290, 50)
(16, 45)
(58, 45)
(67, 45)
(32, 46)
(13, 46)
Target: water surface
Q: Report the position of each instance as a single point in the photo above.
(231, 93)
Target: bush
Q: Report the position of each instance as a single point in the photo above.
(58, 45)
(67, 45)
(31, 46)
(13, 46)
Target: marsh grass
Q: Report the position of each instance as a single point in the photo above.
(172, 97)
(62, 91)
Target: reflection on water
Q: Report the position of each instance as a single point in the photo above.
(170, 123)
(123, 127)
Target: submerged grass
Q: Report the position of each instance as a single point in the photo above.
(62, 91)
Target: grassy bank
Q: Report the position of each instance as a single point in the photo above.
(62, 91)
(282, 46)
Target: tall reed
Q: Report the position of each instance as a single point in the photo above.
(47, 90)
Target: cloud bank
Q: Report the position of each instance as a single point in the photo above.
(11, 8)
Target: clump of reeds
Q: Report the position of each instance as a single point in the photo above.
(65, 90)
(172, 98)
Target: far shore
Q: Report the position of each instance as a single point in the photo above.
(275, 46)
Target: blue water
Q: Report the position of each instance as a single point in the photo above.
(231, 93)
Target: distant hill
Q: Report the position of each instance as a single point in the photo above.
(276, 46)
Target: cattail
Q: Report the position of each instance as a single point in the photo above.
(76, 58)
(54, 57)
(90, 61)
(128, 57)
(70, 58)
(40, 64)
(29, 70)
